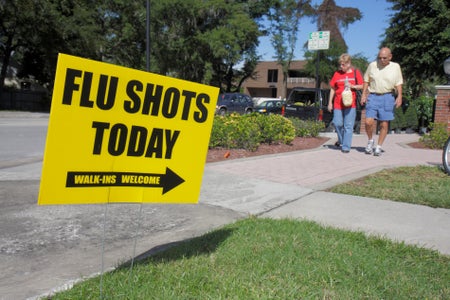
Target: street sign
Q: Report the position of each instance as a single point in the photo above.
(319, 40)
(121, 135)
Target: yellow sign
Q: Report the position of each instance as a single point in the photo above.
(122, 135)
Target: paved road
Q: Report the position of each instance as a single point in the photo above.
(45, 248)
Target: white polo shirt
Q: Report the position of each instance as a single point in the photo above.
(383, 79)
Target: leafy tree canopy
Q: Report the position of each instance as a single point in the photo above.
(201, 41)
(333, 18)
(34, 32)
(419, 37)
(204, 40)
(284, 19)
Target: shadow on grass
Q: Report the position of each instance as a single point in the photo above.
(202, 245)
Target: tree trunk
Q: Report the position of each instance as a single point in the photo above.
(6, 59)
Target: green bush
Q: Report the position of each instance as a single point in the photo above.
(399, 121)
(249, 131)
(219, 133)
(411, 120)
(307, 128)
(424, 109)
(437, 136)
(243, 132)
(275, 129)
(234, 132)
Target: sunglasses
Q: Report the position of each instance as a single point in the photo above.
(383, 58)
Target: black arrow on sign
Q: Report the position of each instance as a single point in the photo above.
(167, 181)
(170, 181)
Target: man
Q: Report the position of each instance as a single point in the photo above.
(382, 93)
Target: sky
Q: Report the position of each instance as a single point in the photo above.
(363, 36)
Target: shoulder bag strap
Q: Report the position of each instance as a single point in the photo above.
(358, 93)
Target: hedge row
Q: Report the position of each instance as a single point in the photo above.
(249, 131)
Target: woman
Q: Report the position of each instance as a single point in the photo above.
(344, 116)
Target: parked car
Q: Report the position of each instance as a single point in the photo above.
(234, 102)
(258, 100)
(270, 107)
(301, 103)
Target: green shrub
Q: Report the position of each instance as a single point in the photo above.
(399, 121)
(234, 132)
(437, 136)
(219, 133)
(249, 131)
(307, 128)
(411, 120)
(275, 129)
(424, 109)
(245, 133)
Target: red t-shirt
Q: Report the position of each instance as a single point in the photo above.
(338, 84)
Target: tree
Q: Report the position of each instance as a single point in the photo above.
(123, 26)
(333, 18)
(203, 41)
(419, 37)
(284, 20)
(200, 41)
(17, 27)
(69, 27)
(232, 79)
(36, 31)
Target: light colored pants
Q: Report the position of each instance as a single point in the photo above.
(344, 121)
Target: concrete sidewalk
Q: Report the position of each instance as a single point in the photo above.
(291, 185)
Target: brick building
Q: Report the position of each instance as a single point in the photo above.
(269, 79)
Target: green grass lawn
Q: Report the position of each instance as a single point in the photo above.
(278, 259)
(258, 258)
(423, 185)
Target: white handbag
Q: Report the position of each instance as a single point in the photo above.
(347, 95)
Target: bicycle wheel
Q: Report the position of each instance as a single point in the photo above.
(446, 156)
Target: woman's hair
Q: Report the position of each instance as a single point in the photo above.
(345, 58)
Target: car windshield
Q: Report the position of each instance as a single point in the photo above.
(270, 105)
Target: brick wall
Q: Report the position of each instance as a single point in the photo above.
(362, 129)
(442, 109)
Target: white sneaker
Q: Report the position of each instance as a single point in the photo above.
(377, 151)
(369, 148)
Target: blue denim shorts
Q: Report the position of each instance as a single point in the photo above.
(380, 107)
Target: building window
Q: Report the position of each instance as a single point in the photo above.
(272, 75)
(274, 93)
(297, 73)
